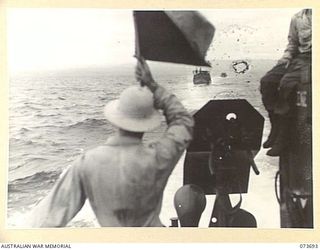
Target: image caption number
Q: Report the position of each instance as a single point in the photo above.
(309, 246)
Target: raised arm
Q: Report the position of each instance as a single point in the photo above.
(180, 123)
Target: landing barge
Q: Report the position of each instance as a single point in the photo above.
(201, 77)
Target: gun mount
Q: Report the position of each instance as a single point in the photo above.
(220, 155)
(218, 160)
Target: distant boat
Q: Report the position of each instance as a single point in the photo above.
(201, 77)
(223, 74)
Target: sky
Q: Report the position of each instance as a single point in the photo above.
(45, 39)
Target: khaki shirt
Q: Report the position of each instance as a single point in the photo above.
(123, 179)
(300, 34)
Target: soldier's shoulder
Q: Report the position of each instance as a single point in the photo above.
(94, 153)
(96, 150)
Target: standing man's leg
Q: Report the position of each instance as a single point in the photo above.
(269, 85)
(284, 107)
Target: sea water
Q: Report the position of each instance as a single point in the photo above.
(55, 116)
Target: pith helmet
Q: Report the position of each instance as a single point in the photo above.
(134, 110)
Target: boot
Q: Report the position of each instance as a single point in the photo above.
(280, 142)
(273, 131)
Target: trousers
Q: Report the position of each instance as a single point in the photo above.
(277, 85)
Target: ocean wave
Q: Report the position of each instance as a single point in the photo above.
(38, 106)
(23, 130)
(31, 103)
(27, 160)
(46, 115)
(33, 182)
(31, 159)
(31, 107)
(104, 98)
(29, 142)
(14, 141)
(88, 123)
(75, 106)
(54, 143)
(46, 126)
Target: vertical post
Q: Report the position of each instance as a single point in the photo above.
(296, 208)
(137, 44)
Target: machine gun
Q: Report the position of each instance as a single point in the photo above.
(227, 134)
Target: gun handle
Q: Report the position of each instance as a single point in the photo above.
(252, 163)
